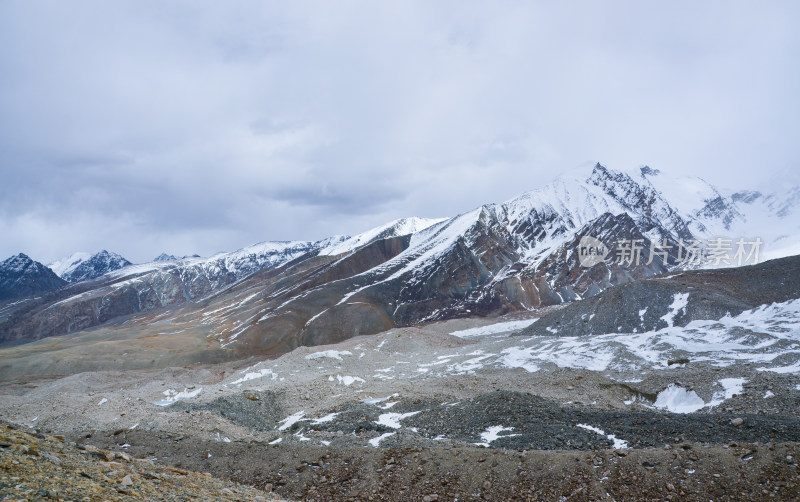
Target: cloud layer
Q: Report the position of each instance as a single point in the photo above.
(189, 127)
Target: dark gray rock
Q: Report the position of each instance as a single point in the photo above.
(21, 276)
(643, 305)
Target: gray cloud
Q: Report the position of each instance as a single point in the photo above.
(203, 126)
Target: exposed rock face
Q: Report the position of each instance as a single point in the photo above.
(20, 277)
(483, 271)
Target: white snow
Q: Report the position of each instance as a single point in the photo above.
(376, 441)
(520, 357)
(493, 433)
(332, 354)
(66, 265)
(791, 368)
(470, 365)
(679, 302)
(759, 335)
(378, 400)
(768, 394)
(291, 420)
(676, 399)
(492, 329)
(349, 380)
(276, 441)
(173, 396)
(396, 228)
(731, 387)
(102, 402)
(619, 444)
(252, 375)
(223, 439)
(327, 418)
(392, 420)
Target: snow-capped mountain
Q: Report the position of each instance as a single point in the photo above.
(771, 214)
(20, 276)
(521, 254)
(171, 257)
(499, 258)
(65, 266)
(129, 289)
(396, 228)
(83, 266)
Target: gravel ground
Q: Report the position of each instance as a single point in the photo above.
(681, 471)
(417, 412)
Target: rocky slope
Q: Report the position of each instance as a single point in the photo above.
(676, 300)
(35, 466)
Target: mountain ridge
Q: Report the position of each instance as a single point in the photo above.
(517, 255)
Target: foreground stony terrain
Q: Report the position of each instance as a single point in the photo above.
(463, 410)
(35, 466)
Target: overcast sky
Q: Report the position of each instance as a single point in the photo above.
(196, 127)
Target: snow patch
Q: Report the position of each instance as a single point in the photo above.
(347, 380)
(327, 418)
(679, 302)
(619, 444)
(492, 329)
(392, 420)
(378, 400)
(376, 441)
(252, 375)
(731, 387)
(332, 354)
(173, 396)
(291, 420)
(493, 433)
(676, 399)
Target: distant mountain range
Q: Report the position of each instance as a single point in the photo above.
(498, 258)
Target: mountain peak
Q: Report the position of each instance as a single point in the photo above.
(22, 276)
(20, 257)
(19, 261)
(84, 266)
(649, 171)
